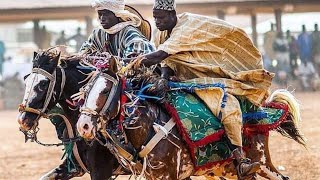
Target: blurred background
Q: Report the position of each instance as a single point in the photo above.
(285, 31)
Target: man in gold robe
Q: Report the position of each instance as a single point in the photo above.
(206, 50)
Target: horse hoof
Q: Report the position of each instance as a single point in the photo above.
(285, 177)
(51, 175)
(61, 173)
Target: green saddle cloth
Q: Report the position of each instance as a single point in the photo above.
(204, 133)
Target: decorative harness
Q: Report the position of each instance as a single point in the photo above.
(126, 158)
(32, 134)
(105, 111)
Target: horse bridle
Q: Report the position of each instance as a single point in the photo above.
(32, 134)
(50, 92)
(106, 109)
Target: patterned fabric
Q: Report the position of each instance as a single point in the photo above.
(194, 115)
(214, 51)
(269, 116)
(201, 46)
(128, 42)
(212, 152)
(204, 133)
(168, 5)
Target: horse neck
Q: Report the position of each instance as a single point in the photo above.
(72, 86)
(148, 114)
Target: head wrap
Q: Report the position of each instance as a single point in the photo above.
(118, 8)
(168, 5)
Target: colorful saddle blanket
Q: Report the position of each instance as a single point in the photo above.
(204, 133)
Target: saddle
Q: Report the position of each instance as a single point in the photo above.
(204, 133)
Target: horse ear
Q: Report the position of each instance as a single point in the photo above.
(35, 54)
(55, 60)
(113, 65)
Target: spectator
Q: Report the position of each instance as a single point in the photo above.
(62, 40)
(316, 47)
(2, 51)
(281, 49)
(305, 45)
(269, 38)
(307, 75)
(45, 38)
(79, 38)
(293, 52)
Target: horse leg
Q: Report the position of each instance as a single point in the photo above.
(101, 162)
(61, 173)
(269, 161)
(260, 153)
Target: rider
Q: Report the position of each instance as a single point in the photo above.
(120, 36)
(195, 46)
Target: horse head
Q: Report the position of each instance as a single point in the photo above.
(40, 92)
(102, 101)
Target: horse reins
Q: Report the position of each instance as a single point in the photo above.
(41, 113)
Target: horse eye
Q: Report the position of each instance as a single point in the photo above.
(105, 92)
(42, 83)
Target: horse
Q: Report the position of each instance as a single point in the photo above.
(167, 157)
(47, 85)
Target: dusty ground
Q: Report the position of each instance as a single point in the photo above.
(29, 161)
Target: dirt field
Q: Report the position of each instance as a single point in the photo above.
(29, 161)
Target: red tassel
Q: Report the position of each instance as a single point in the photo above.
(123, 100)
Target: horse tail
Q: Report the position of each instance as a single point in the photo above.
(289, 128)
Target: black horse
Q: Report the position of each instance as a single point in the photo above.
(47, 85)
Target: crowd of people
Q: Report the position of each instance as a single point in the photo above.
(294, 58)
(44, 39)
(78, 38)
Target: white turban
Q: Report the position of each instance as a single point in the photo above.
(118, 8)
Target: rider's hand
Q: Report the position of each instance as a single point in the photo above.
(137, 62)
(159, 88)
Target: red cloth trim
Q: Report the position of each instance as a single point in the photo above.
(265, 128)
(123, 100)
(248, 130)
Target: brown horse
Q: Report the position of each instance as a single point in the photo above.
(169, 158)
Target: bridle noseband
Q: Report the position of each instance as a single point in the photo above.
(106, 109)
(42, 112)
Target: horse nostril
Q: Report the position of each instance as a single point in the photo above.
(86, 127)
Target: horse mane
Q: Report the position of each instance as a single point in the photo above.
(65, 60)
(70, 60)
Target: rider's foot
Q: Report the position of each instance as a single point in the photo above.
(244, 165)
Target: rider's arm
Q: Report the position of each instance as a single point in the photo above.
(154, 58)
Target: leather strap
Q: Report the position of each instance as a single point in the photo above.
(75, 148)
(157, 138)
(125, 154)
